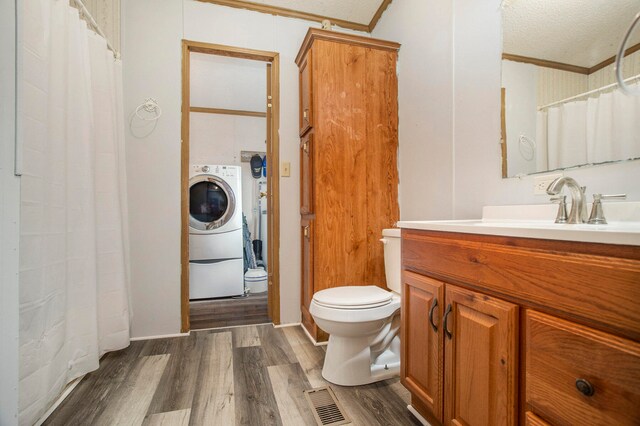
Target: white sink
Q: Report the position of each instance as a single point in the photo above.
(537, 221)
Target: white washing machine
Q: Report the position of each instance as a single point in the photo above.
(216, 266)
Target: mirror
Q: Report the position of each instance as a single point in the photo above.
(561, 106)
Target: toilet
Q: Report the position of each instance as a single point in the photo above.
(363, 323)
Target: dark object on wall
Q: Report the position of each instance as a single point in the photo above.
(256, 166)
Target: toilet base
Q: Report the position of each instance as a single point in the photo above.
(348, 361)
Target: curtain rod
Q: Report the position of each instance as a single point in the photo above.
(591, 92)
(84, 11)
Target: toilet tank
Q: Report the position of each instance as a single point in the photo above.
(391, 240)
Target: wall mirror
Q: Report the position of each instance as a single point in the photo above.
(561, 106)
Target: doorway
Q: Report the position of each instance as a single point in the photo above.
(216, 177)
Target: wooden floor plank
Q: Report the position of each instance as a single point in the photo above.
(309, 356)
(245, 336)
(288, 383)
(171, 418)
(213, 402)
(222, 385)
(255, 401)
(178, 383)
(204, 314)
(277, 349)
(95, 390)
(129, 406)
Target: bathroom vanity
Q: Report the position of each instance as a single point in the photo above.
(500, 328)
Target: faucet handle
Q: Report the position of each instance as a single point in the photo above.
(597, 213)
(561, 216)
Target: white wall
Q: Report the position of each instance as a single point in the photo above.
(9, 226)
(152, 32)
(152, 59)
(425, 89)
(470, 130)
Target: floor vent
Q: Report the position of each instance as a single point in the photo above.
(325, 407)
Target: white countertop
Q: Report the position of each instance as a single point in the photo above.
(537, 221)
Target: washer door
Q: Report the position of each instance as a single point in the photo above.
(211, 202)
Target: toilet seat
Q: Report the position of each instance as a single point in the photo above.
(353, 297)
(355, 314)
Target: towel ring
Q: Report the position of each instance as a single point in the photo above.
(620, 56)
(151, 106)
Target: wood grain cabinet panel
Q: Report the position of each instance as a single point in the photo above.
(306, 94)
(349, 172)
(538, 332)
(421, 339)
(577, 375)
(306, 174)
(481, 359)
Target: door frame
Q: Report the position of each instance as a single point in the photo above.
(273, 161)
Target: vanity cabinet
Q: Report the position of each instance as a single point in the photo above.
(542, 332)
(459, 352)
(348, 160)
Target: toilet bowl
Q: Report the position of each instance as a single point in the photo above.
(363, 323)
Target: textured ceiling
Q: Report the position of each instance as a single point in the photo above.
(576, 32)
(360, 11)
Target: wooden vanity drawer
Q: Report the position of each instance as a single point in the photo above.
(596, 284)
(562, 357)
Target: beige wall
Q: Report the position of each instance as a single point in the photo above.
(606, 76)
(107, 16)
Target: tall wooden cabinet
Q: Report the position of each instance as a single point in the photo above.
(348, 160)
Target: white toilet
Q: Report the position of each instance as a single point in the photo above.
(364, 324)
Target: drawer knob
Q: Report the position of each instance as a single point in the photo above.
(585, 387)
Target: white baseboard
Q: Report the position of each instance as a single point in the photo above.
(231, 326)
(291, 324)
(312, 339)
(418, 415)
(160, 336)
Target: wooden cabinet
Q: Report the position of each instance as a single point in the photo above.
(348, 157)
(422, 340)
(306, 174)
(459, 352)
(577, 375)
(306, 117)
(542, 332)
(481, 359)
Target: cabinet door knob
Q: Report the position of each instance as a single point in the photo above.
(434, 304)
(445, 326)
(585, 387)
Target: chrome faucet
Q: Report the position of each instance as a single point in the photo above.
(578, 213)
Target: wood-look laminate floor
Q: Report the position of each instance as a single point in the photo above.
(251, 375)
(215, 313)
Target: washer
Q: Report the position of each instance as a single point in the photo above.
(216, 265)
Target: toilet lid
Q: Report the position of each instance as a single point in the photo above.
(353, 297)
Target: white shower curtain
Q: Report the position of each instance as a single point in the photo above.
(596, 130)
(74, 303)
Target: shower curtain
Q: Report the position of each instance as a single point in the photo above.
(596, 130)
(74, 300)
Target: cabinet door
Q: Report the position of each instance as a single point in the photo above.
(422, 344)
(306, 174)
(307, 273)
(481, 357)
(306, 118)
